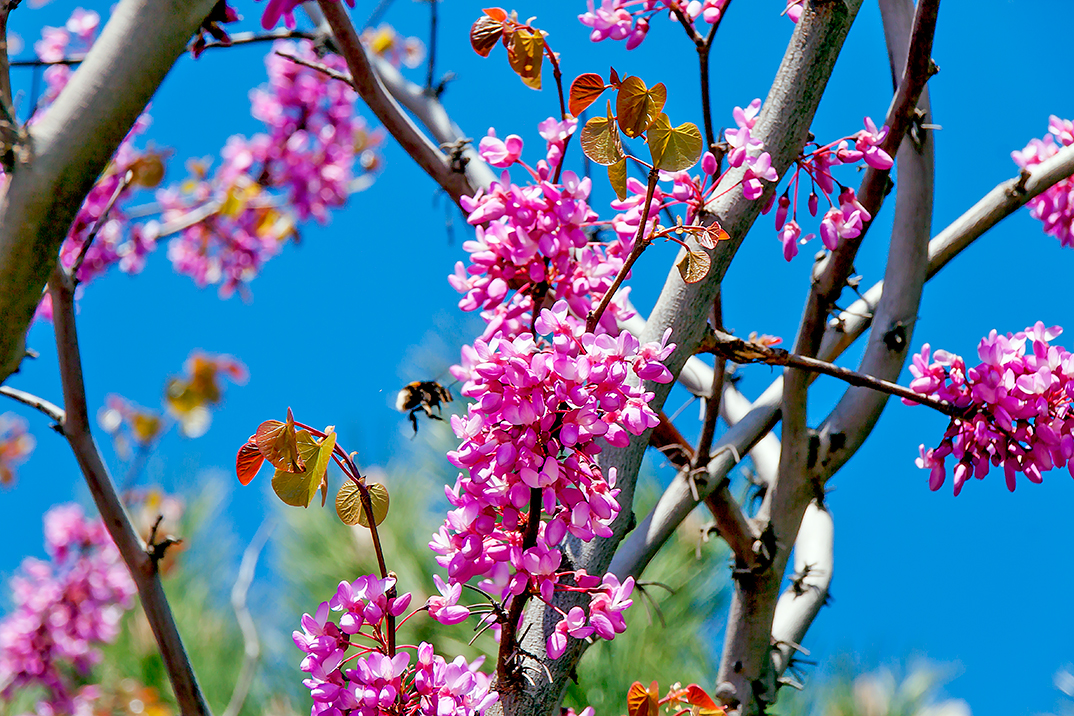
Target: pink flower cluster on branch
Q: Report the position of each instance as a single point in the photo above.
(63, 609)
(546, 393)
(1055, 207)
(629, 19)
(1017, 403)
(373, 680)
(846, 217)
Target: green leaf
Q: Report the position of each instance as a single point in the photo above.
(674, 149)
(694, 266)
(298, 488)
(600, 140)
(349, 503)
(637, 106)
(617, 176)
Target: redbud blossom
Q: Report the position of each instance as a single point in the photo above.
(1017, 405)
(1054, 207)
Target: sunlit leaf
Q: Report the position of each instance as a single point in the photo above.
(248, 462)
(695, 266)
(697, 696)
(674, 149)
(613, 78)
(600, 140)
(617, 176)
(525, 55)
(349, 504)
(712, 235)
(298, 488)
(637, 106)
(486, 32)
(584, 91)
(278, 445)
(638, 701)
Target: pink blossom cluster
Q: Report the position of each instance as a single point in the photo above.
(529, 443)
(1054, 207)
(276, 10)
(16, 444)
(845, 219)
(317, 151)
(532, 241)
(56, 43)
(629, 19)
(373, 681)
(63, 609)
(1017, 405)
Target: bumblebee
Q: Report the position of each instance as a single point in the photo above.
(423, 395)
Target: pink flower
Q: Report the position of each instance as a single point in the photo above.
(499, 153)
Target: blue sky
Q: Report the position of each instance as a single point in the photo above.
(980, 580)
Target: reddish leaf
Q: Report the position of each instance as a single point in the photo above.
(637, 700)
(248, 462)
(584, 91)
(276, 441)
(613, 79)
(486, 32)
(696, 695)
(712, 235)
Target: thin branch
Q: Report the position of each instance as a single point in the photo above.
(742, 352)
(53, 411)
(433, 6)
(101, 220)
(251, 642)
(368, 85)
(139, 560)
(704, 51)
(6, 6)
(712, 405)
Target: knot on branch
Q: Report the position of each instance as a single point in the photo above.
(156, 550)
(455, 151)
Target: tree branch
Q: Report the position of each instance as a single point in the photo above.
(50, 409)
(368, 85)
(783, 127)
(251, 642)
(73, 143)
(140, 562)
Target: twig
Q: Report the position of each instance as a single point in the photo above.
(139, 560)
(369, 87)
(712, 405)
(101, 220)
(6, 6)
(51, 410)
(433, 6)
(251, 642)
(323, 69)
(641, 242)
(742, 352)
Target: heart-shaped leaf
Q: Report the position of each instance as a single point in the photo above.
(584, 91)
(637, 699)
(617, 176)
(637, 105)
(525, 54)
(600, 140)
(298, 488)
(486, 32)
(248, 461)
(349, 504)
(712, 235)
(697, 696)
(276, 441)
(674, 149)
(695, 266)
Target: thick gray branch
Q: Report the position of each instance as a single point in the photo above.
(783, 127)
(73, 143)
